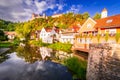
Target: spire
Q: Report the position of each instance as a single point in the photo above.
(104, 13)
(104, 10)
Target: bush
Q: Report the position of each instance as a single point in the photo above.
(106, 37)
(98, 37)
(61, 46)
(16, 41)
(117, 36)
(3, 37)
(77, 67)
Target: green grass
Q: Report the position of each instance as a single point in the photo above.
(56, 46)
(77, 67)
(5, 44)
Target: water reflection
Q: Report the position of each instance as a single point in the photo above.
(15, 68)
(45, 52)
(32, 54)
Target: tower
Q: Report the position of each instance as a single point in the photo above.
(104, 13)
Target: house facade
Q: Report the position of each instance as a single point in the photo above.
(48, 35)
(103, 30)
(11, 35)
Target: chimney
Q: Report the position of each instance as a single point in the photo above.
(104, 13)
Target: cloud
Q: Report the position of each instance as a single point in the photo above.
(21, 10)
(59, 8)
(74, 9)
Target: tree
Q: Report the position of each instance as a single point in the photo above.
(3, 37)
(97, 16)
(24, 30)
(10, 27)
(85, 15)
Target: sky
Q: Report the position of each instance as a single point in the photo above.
(21, 10)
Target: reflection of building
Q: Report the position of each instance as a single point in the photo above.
(45, 52)
(10, 35)
(63, 55)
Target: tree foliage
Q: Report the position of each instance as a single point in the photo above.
(7, 25)
(77, 66)
(97, 16)
(24, 29)
(3, 37)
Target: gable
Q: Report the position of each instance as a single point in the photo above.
(88, 26)
(43, 30)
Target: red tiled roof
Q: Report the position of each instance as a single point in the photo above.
(48, 29)
(108, 22)
(10, 33)
(76, 28)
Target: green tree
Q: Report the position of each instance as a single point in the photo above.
(97, 16)
(3, 37)
(117, 37)
(77, 67)
(24, 30)
(85, 15)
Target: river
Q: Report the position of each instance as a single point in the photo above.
(34, 63)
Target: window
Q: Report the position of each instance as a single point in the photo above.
(88, 25)
(41, 34)
(110, 31)
(109, 21)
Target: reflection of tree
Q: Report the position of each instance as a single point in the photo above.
(3, 58)
(30, 54)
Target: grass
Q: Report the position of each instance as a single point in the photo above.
(5, 44)
(56, 46)
(77, 67)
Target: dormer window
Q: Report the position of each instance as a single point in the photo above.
(109, 21)
(88, 25)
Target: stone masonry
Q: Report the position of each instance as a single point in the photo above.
(104, 62)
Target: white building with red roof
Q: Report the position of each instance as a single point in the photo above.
(48, 35)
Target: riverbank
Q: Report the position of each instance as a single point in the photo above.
(6, 44)
(3, 50)
(56, 46)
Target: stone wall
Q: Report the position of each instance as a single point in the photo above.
(104, 62)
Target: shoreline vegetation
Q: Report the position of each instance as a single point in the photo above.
(56, 46)
(5, 44)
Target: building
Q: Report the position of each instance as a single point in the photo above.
(56, 15)
(49, 35)
(98, 31)
(10, 34)
(67, 36)
(34, 16)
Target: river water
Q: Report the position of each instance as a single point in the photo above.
(34, 63)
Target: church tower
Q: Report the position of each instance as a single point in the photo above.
(104, 13)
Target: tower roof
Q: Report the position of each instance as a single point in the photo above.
(104, 10)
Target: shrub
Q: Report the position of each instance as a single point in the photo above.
(98, 37)
(77, 67)
(117, 36)
(106, 37)
(61, 46)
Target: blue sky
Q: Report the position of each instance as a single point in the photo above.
(21, 10)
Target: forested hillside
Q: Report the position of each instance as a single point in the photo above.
(64, 21)
(7, 25)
